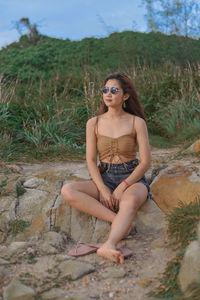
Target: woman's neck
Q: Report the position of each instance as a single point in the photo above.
(115, 113)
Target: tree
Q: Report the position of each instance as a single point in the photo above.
(33, 33)
(179, 17)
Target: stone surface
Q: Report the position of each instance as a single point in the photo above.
(3, 261)
(190, 267)
(73, 269)
(34, 183)
(150, 218)
(31, 204)
(18, 291)
(194, 148)
(150, 252)
(112, 272)
(53, 294)
(55, 239)
(46, 210)
(174, 184)
(13, 249)
(76, 297)
(47, 248)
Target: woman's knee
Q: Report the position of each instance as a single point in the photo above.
(130, 205)
(67, 192)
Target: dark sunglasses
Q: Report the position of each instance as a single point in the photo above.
(113, 90)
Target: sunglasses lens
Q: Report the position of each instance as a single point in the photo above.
(113, 90)
(104, 89)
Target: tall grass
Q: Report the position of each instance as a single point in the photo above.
(49, 116)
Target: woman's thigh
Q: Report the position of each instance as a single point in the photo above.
(87, 187)
(136, 195)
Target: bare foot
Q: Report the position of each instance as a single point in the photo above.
(111, 254)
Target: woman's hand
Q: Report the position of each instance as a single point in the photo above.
(117, 194)
(106, 198)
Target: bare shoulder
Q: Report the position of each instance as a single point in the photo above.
(92, 122)
(139, 123)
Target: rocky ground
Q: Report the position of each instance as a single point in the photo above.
(35, 267)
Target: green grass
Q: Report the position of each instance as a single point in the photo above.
(160, 142)
(17, 226)
(46, 118)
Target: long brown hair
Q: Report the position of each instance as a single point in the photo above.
(133, 105)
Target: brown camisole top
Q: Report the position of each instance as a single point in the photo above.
(123, 146)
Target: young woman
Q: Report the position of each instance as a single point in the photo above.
(118, 186)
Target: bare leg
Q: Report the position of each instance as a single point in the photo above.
(84, 197)
(131, 200)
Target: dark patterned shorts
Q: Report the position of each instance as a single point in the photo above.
(113, 174)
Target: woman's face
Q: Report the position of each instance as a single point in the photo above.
(110, 99)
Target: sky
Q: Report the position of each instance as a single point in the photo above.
(73, 19)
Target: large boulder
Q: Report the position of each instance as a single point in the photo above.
(36, 198)
(194, 148)
(190, 268)
(174, 184)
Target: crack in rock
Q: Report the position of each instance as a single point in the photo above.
(52, 210)
(20, 184)
(29, 188)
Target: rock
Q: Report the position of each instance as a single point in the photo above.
(190, 267)
(62, 257)
(112, 272)
(76, 297)
(53, 294)
(2, 249)
(174, 184)
(81, 226)
(82, 172)
(14, 168)
(150, 218)
(7, 211)
(101, 231)
(46, 210)
(18, 291)
(4, 262)
(73, 269)
(144, 282)
(194, 148)
(62, 214)
(153, 172)
(55, 239)
(34, 182)
(13, 249)
(46, 248)
(31, 204)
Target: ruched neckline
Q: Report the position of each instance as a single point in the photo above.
(112, 138)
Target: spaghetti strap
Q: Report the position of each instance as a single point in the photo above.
(133, 123)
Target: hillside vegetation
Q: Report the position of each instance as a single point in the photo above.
(49, 90)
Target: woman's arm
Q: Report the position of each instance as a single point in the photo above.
(91, 153)
(91, 157)
(144, 151)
